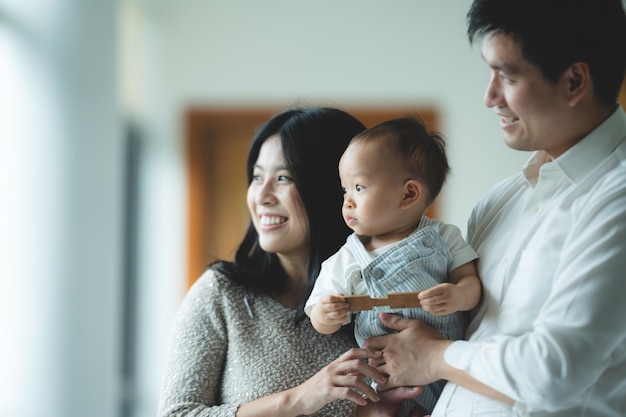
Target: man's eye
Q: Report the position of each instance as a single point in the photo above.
(505, 79)
(359, 187)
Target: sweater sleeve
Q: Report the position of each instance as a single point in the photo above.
(197, 354)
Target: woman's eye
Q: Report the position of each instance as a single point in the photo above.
(284, 178)
(256, 178)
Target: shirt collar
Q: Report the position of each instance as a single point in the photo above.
(578, 161)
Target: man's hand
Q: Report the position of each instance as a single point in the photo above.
(415, 357)
(389, 403)
(411, 357)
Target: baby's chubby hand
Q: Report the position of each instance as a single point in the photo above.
(442, 299)
(333, 310)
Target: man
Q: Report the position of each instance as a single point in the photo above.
(550, 336)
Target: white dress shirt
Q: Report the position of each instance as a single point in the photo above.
(551, 332)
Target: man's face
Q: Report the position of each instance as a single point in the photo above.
(534, 112)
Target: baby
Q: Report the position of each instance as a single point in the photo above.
(390, 175)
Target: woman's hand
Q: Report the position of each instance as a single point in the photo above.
(342, 378)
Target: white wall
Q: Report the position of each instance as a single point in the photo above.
(351, 52)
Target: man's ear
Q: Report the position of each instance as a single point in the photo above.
(578, 82)
(413, 193)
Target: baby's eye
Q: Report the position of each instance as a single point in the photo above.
(344, 190)
(359, 187)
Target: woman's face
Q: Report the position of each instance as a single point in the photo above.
(275, 206)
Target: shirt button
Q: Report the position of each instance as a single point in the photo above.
(533, 210)
(428, 241)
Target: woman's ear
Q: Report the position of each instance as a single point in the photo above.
(413, 193)
(578, 82)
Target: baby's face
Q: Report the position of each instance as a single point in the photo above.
(373, 189)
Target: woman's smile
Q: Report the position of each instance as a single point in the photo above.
(271, 220)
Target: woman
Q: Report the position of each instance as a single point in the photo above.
(241, 343)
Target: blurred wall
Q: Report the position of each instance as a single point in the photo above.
(61, 183)
(356, 52)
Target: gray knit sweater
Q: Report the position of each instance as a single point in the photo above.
(221, 357)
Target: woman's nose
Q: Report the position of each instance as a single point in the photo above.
(265, 194)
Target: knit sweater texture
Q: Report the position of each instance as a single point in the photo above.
(229, 347)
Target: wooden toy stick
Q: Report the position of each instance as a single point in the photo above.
(393, 300)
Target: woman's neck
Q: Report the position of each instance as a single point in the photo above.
(296, 271)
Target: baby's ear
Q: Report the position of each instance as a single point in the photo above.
(413, 193)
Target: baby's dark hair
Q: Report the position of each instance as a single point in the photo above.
(422, 152)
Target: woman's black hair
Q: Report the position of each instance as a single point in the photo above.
(312, 140)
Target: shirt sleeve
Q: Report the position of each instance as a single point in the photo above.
(461, 251)
(335, 278)
(579, 334)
